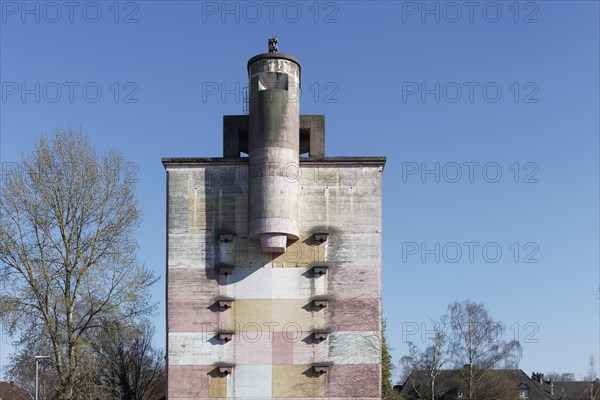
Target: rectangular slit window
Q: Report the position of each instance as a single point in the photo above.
(272, 80)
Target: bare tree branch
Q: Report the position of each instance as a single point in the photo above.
(64, 218)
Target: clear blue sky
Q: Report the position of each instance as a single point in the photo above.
(475, 90)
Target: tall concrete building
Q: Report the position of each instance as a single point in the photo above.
(274, 257)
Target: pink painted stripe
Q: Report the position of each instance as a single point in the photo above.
(191, 316)
(188, 381)
(353, 381)
(354, 315)
(191, 284)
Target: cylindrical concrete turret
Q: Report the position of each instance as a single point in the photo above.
(273, 150)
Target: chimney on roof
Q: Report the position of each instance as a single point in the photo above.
(551, 382)
(537, 377)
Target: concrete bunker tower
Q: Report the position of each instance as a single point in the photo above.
(274, 257)
(273, 144)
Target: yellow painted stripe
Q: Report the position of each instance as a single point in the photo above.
(297, 381)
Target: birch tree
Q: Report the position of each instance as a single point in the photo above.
(477, 345)
(424, 366)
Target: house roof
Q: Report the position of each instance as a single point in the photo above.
(449, 384)
(448, 381)
(573, 390)
(9, 391)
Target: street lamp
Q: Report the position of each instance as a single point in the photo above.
(37, 365)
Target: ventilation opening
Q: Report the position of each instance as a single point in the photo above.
(304, 142)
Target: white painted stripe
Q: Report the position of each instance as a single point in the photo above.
(354, 348)
(196, 348)
(273, 283)
(251, 381)
(187, 348)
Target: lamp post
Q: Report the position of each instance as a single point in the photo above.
(37, 365)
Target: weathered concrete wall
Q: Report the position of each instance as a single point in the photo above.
(272, 315)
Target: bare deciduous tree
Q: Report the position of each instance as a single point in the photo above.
(387, 366)
(477, 345)
(424, 366)
(592, 377)
(130, 364)
(67, 223)
(592, 373)
(560, 376)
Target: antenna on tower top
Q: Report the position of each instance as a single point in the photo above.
(273, 44)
